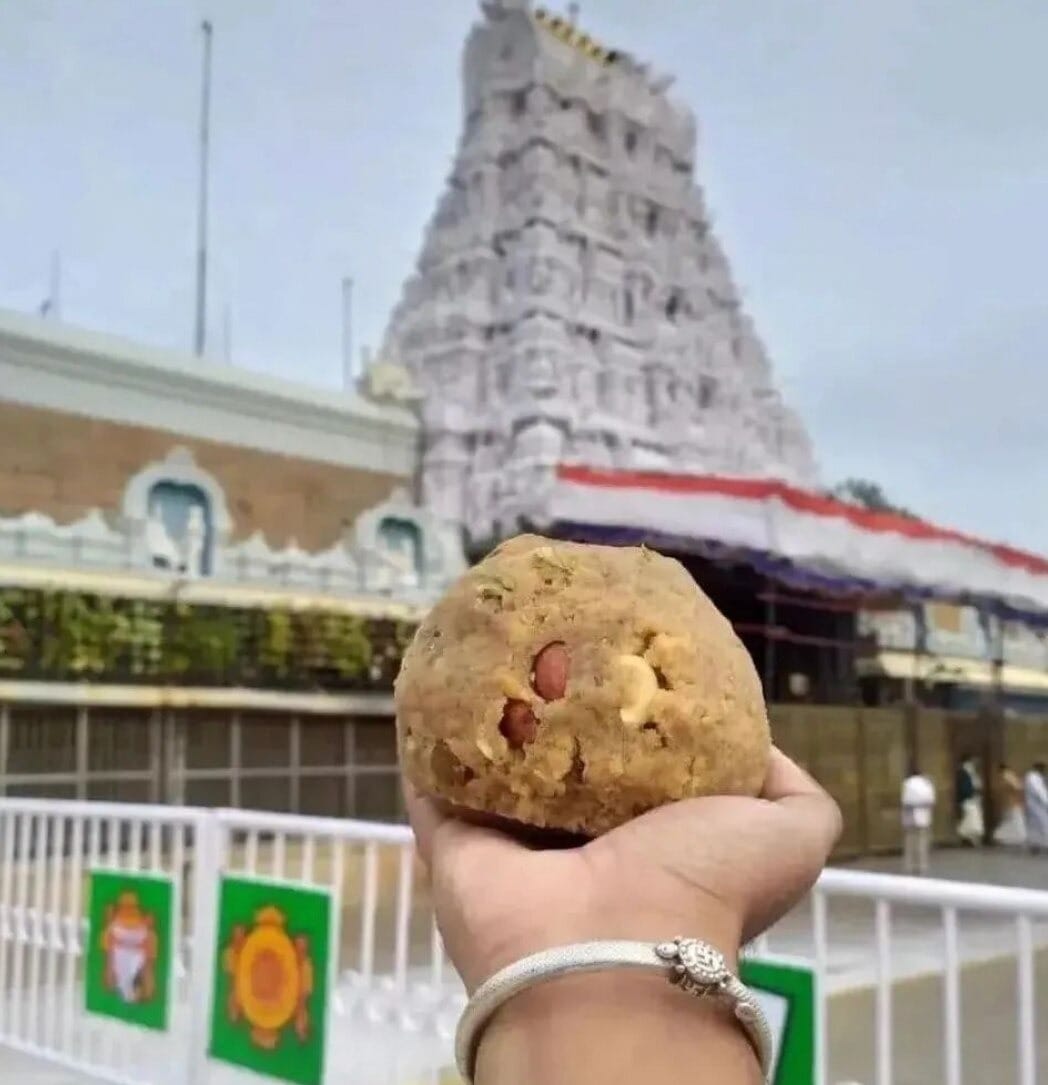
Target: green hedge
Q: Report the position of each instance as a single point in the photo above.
(66, 636)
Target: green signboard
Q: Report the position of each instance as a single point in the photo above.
(129, 938)
(787, 993)
(269, 1002)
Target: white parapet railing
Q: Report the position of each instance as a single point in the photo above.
(394, 997)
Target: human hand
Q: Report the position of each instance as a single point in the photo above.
(722, 869)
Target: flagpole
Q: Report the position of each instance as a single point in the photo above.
(50, 307)
(347, 334)
(227, 333)
(55, 310)
(200, 331)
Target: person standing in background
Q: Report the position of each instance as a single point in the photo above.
(918, 805)
(1011, 829)
(1036, 794)
(970, 826)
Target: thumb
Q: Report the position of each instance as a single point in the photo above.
(441, 836)
(790, 850)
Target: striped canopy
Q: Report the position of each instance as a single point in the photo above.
(800, 537)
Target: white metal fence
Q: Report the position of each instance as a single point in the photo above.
(394, 999)
(1008, 916)
(46, 850)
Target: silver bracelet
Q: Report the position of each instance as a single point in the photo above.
(697, 968)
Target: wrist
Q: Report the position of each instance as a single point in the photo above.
(610, 1027)
(717, 926)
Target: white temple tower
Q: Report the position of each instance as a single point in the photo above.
(570, 303)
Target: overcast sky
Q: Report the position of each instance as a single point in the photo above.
(877, 170)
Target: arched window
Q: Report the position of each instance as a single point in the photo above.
(178, 512)
(179, 530)
(402, 542)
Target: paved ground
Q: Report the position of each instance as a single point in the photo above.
(994, 866)
(15, 1067)
(989, 1042)
(916, 932)
(383, 1057)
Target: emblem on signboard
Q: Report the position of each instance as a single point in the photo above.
(130, 922)
(272, 967)
(271, 978)
(129, 945)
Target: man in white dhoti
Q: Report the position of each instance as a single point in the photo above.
(918, 803)
(1035, 793)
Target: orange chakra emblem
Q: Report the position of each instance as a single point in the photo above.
(271, 978)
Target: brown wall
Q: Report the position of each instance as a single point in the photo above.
(63, 465)
(1025, 741)
(860, 755)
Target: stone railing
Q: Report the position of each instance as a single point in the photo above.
(373, 560)
(86, 542)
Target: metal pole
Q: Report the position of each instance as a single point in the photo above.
(914, 684)
(201, 268)
(770, 617)
(50, 307)
(227, 334)
(994, 744)
(347, 334)
(418, 484)
(5, 745)
(83, 750)
(998, 665)
(55, 307)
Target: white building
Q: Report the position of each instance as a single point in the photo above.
(571, 304)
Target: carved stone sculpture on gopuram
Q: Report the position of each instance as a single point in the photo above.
(570, 304)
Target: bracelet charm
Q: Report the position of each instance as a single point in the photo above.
(698, 968)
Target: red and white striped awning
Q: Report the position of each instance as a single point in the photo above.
(828, 538)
